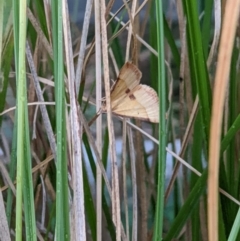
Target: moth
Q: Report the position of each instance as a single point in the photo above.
(129, 98)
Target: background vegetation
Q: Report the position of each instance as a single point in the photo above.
(120, 179)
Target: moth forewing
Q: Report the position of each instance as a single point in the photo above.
(128, 78)
(131, 75)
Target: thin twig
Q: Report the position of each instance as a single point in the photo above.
(44, 112)
(82, 49)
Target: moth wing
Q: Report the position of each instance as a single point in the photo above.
(128, 78)
(141, 103)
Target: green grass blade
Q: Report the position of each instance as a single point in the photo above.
(235, 228)
(206, 26)
(221, 225)
(198, 62)
(62, 208)
(29, 209)
(115, 45)
(169, 36)
(153, 43)
(230, 134)
(158, 225)
(89, 205)
(106, 211)
(197, 164)
(232, 113)
(39, 7)
(187, 208)
(20, 23)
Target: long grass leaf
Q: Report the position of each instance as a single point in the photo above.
(158, 225)
(198, 63)
(62, 208)
(19, 42)
(187, 208)
(29, 208)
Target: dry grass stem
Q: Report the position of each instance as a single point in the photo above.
(221, 79)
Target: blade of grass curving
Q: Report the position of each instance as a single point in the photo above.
(234, 128)
(199, 174)
(235, 228)
(170, 40)
(206, 26)
(182, 161)
(187, 208)
(198, 63)
(221, 225)
(62, 208)
(158, 225)
(197, 164)
(40, 33)
(40, 13)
